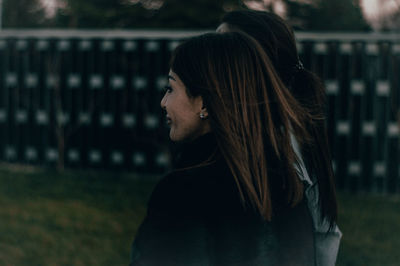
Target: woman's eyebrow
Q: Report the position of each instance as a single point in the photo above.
(171, 77)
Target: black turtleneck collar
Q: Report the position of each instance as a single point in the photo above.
(195, 152)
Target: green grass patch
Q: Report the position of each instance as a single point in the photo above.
(90, 218)
(74, 218)
(371, 230)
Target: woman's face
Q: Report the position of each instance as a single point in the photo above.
(183, 112)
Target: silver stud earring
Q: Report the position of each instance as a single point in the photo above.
(202, 116)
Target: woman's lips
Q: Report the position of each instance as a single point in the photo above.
(169, 121)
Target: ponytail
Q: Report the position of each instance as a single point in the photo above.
(309, 90)
(278, 41)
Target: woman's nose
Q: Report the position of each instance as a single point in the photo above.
(163, 101)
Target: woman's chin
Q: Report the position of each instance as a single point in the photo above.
(173, 136)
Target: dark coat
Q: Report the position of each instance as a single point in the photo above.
(195, 217)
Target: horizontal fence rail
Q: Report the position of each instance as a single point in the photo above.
(91, 99)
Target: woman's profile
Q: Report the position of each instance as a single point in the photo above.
(235, 196)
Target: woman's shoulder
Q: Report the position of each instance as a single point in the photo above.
(195, 191)
(172, 189)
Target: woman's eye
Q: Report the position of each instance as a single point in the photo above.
(168, 89)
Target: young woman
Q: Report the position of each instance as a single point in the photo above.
(235, 197)
(278, 40)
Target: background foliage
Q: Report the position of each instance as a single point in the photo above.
(310, 15)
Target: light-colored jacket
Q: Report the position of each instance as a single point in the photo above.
(326, 242)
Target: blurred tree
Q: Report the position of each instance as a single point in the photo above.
(336, 15)
(142, 13)
(88, 13)
(318, 15)
(387, 17)
(23, 14)
(193, 14)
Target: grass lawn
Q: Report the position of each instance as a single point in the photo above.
(90, 218)
(371, 230)
(75, 218)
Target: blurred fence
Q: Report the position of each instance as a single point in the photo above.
(91, 99)
(362, 76)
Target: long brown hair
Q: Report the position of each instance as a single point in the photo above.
(251, 112)
(278, 40)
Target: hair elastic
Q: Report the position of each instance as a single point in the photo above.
(299, 66)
